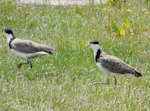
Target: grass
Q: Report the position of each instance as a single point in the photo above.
(63, 81)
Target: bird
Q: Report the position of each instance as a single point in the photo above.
(26, 49)
(110, 65)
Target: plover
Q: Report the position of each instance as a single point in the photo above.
(110, 65)
(25, 48)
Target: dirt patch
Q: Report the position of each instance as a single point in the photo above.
(60, 2)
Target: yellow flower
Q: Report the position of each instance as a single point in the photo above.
(128, 10)
(146, 12)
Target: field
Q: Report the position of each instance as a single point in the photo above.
(62, 81)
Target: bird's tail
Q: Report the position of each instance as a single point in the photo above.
(49, 52)
(137, 74)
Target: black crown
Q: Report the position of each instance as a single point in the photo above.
(9, 31)
(94, 42)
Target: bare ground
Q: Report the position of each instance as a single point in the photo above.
(60, 2)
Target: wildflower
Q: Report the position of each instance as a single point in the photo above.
(128, 10)
(146, 12)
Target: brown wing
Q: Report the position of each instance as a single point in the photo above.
(28, 46)
(116, 65)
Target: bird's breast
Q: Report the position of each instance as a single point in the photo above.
(20, 54)
(103, 69)
(27, 56)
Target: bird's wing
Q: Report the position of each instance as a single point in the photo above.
(116, 65)
(28, 46)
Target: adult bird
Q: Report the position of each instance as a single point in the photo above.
(25, 48)
(110, 65)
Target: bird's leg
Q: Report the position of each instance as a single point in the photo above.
(24, 63)
(115, 81)
(101, 82)
(30, 64)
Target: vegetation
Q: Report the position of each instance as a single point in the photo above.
(63, 81)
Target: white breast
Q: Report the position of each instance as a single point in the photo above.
(103, 69)
(27, 56)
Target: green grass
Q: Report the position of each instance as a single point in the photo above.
(63, 81)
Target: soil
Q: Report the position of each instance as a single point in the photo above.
(60, 2)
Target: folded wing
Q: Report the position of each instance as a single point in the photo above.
(116, 65)
(28, 46)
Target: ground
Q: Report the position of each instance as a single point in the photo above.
(60, 2)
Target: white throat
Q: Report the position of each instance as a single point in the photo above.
(9, 37)
(95, 48)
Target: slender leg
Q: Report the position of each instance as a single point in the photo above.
(30, 64)
(115, 80)
(101, 82)
(25, 63)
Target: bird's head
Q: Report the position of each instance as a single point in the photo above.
(7, 32)
(93, 44)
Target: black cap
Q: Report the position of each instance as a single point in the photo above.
(94, 42)
(8, 31)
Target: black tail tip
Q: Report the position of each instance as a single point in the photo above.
(49, 52)
(137, 74)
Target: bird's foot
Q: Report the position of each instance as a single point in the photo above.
(99, 83)
(30, 64)
(24, 63)
(20, 65)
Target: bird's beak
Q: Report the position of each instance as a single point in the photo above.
(3, 33)
(87, 45)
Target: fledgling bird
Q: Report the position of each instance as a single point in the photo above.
(25, 48)
(110, 65)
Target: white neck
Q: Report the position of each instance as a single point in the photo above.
(9, 37)
(95, 49)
